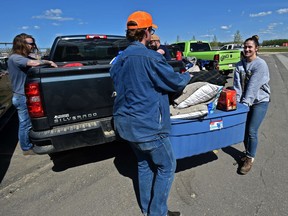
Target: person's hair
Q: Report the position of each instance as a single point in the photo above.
(255, 39)
(34, 41)
(134, 34)
(19, 45)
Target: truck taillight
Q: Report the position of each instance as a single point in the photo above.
(216, 62)
(34, 103)
(183, 70)
(216, 57)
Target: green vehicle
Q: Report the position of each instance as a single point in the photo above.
(226, 59)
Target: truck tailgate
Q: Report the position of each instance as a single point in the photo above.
(229, 56)
(74, 94)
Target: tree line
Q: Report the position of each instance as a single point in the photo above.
(238, 39)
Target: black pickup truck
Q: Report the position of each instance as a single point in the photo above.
(71, 106)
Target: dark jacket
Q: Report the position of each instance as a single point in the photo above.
(142, 78)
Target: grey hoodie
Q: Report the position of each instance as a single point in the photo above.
(256, 87)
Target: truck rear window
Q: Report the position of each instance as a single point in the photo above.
(181, 46)
(195, 47)
(85, 50)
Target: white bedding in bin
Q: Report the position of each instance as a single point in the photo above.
(192, 103)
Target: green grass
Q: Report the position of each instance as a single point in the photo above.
(273, 49)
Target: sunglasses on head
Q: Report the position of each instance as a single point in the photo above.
(152, 31)
(30, 43)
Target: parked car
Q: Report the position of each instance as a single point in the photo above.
(6, 108)
(234, 47)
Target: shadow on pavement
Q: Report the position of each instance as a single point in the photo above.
(125, 160)
(234, 153)
(194, 161)
(237, 155)
(77, 157)
(9, 140)
(126, 164)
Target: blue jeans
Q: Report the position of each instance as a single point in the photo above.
(19, 101)
(156, 169)
(255, 117)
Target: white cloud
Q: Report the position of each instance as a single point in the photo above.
(271, 26)
(225, 27)
(25, 27)
(282, 11)
(261, 14)
(53, 14)
(265, 32)
(207, 35)
(29, 27)
(81, 22)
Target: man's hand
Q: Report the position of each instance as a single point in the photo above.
(161, 51)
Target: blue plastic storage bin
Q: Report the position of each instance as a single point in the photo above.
(217, 130)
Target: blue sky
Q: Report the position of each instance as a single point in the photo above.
(184, 18)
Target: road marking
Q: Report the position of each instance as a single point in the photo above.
(283, 59)
(9, 190)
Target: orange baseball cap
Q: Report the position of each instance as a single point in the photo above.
(142, 20)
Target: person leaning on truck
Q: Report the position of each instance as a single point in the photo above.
(251, 77)
(156, 45)
(34, 50)
(19, 63)
(142, 78)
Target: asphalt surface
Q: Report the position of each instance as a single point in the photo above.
(100, 180)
